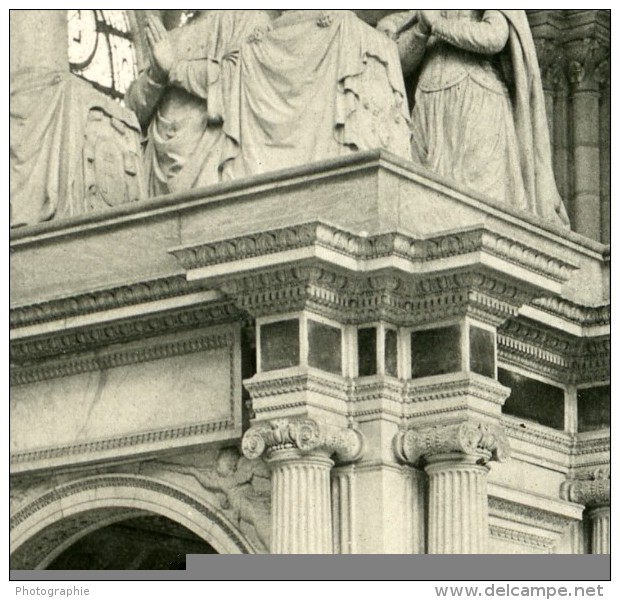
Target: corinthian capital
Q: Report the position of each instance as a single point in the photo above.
(304, 435)
(586, 61)
(471, 438)
(591, 488)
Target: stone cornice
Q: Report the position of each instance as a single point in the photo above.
(587, 446)
(77, 364)
(591, 487)
(99, 300)
(469, 384)
(117, 443)
(538, 435)
(359, 298)
(554, 354)
(482, 440)
(585, 316)
(71, 342)
(303, 435)
(368, 248)
(264, 386)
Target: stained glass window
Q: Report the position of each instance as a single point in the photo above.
(101, 49)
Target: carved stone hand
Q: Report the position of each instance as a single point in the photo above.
(163, 55)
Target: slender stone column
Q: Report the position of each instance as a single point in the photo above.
(603, 77)
(456, 458)
(299, 453)
(561, 140)
(583, 77)
(593, 489)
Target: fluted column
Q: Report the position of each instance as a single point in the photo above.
(458, 511)
(301, 514)
(455, 458)
(592, 488)
(601, 530)
(299, 454)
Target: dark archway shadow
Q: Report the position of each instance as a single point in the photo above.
(149, 542)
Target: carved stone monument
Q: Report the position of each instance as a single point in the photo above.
(479, 113)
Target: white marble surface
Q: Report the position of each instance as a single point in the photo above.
(160, 394)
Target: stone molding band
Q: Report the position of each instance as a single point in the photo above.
(484, 441)
(304, 435)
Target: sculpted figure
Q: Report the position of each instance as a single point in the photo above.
(180, 98)
(241, 486)
(479, 114)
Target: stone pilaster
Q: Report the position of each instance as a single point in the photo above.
(592, 488)
(455, 458)
(343, 510)
(299, 453)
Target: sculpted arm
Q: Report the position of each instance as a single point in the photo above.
(487, 36)
(410, 36)
(143, 96)
(192, 75)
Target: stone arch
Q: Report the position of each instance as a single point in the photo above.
(58, 518)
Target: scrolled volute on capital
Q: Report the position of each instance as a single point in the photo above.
(483, 440)
(591, 488)
(304, 435)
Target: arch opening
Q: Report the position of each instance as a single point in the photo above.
(109, 511)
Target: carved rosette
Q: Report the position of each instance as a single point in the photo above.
(483, 441)
(304, 435)
(592, 488)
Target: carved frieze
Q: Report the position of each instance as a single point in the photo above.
(80, 340)
(107, 299)
(483, 440)
(304, 435)
(542, 543)
(531, 516)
